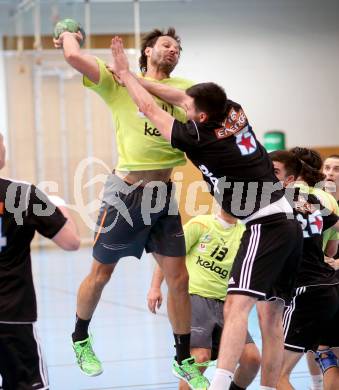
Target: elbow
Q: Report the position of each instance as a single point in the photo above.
(75, 245)
(72, 245)
(330, 253)
(67, 239)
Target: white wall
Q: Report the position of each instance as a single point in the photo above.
(278, 58)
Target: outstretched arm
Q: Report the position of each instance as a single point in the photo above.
(142, 98)
(83, 63)
(174, 96)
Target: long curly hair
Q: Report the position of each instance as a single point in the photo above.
(150, 39)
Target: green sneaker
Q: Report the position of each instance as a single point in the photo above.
(88, 363)
(189, 372)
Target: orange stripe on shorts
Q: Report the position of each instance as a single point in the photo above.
(101, 225)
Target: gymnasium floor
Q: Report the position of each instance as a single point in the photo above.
(134, 345)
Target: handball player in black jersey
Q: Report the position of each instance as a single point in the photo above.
(314, 311)
(221, 143)
(24, 209)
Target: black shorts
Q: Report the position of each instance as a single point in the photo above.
(330, 334)
(268, 258)
(312, 318)
(133, 218)
(21, 362)
(207, 324)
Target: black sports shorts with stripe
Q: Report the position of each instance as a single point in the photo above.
(21, 362)
(312, 319)
(268, 258)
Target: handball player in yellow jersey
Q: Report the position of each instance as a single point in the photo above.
(212, 241)
(131, 218)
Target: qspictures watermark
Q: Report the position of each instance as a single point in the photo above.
(23, 198)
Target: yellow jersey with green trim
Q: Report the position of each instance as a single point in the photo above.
(140, 144)
(330, 234)
(211, 246)
(328, 201)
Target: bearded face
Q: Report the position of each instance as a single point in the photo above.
(164, 55)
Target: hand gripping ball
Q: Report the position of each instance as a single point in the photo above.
(70, 25)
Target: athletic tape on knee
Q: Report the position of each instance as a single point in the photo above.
(326, 359)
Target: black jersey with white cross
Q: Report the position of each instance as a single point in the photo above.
(233, 162)
(24, 209)
(314, 219)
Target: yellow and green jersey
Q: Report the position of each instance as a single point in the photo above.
(327, 201)
(140, 145)
(211, 246)
(330, 234)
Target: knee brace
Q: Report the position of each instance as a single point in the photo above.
(326, 359)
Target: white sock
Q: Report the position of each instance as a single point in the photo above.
(267, 388)
(317, 382)
(222, 379)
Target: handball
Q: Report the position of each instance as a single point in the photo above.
(70, 25)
